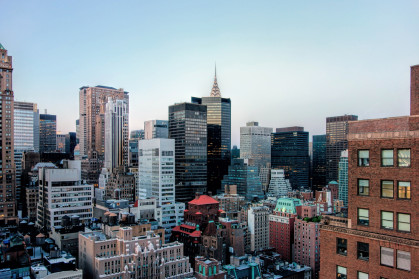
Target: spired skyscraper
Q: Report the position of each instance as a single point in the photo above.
(218, 135)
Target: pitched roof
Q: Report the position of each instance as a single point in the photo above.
(203, 199)
(2, 47)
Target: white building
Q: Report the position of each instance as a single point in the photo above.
(279, 186)
(61, 192)
(258, 226)
(255, 144)
(154, 129)
(116, 134)
(156, 179)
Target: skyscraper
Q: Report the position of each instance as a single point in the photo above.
(188, 127)
(47, 133)
(92, 106)
(336, 142)
(218, 135)
(319, 162)
(7, 168)
(343, 177)
(116, 134)
(255, 144)
(290, 153)
(154, 129)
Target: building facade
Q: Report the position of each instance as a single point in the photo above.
(188, 127)
(47, 133)
(289, 151)
(279, 186)
(258, 226)
(319, 162)
(156, 129)
(343, 178)
(336, 142)
(255, 144)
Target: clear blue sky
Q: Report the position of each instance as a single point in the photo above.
(282, 63)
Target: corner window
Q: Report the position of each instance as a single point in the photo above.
(363, 217)
(387, 189)
(403, 189)
(387, 256)
(363, 158)
(403, 157)
(363, 251)
(387, 220)
(387, 158)
(341, 246)
(403, 222)
(403, 260)
(363, 187)
(362, 275)
(341, 272)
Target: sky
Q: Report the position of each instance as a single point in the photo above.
(282, 63)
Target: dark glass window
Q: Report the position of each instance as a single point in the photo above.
(363, 251)
(341, 272)
(342, 246)
(363, 187)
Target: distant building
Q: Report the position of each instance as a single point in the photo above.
(156, 129)
(137, 134)
(60, 143)
(343, 177)
(319, 162)
(208, 268)
(258, 224)
(235, 152)
(47, 133)
(255, 144)
(120, 185)
(278, 186)
(289, 151)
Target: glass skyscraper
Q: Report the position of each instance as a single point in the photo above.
(47, 133)
(218, 136)
(188, 127)
(343, 177)
(289, 151)
(319, 162)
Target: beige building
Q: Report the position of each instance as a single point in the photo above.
(258, 222)
(126, 256)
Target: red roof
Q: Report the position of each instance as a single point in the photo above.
(187, 226)
(198, 213)
(202, 200)
(186, 210)
(196, 234)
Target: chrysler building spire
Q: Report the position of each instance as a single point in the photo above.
(215, 92)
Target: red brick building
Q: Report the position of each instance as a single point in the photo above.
(381, 236)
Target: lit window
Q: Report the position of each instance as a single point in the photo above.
(403, 157)
(403, 260)
(403, 222)
(387, 189)
(387, 158)
(363, 187)
(404, 190)
(387, 256)
(363, 158)
(387, 220)
(363, 217)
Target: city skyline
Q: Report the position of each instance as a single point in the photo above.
(299, 58)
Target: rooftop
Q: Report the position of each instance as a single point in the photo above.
(203, 199)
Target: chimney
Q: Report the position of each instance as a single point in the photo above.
(197, 195)
(414, 90)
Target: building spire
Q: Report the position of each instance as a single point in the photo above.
(215, 92)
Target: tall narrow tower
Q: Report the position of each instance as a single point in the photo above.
(218, 135)
(7, 165)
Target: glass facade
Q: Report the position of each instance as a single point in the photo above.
(255, 144)
(218, 139)
(47, 133)
(289, 151)
(343, 178)
(188, 127)
(319, 162)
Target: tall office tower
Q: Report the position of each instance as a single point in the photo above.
(156, 129)
(7, 168)
(188, 127)
(258, 226)
(265, 177)
(319, 162)
(290, 153)
(343, 177)
(77, 131)
(156, 178)
(380, 238)
(336, 142)
(61, 192)
(246, 178)
(92, 106)
(47, 133)
(70, 143)
(235, 152)
(116, 134)
(279, 186)
(25, 115)
(255, 144)
(218, 135)
(60, 143)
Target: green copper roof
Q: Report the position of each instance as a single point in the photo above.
(2, 47)
(287, 205)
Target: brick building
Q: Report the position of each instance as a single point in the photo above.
(381, 236)
(208, 268)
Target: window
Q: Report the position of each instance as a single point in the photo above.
(363, 217)
(403, 260)
(387, 220)
(387, 189)
(387, 256)
(403, 157)
(362, 275)
(363, 158)
(363, 187)
(387, 158)
(403, 222)
(341, 246)
(341, 272)
(403, 190)
(363, 251)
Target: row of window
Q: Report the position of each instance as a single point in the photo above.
(387, 220)
(387, 189)
(387, 158)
